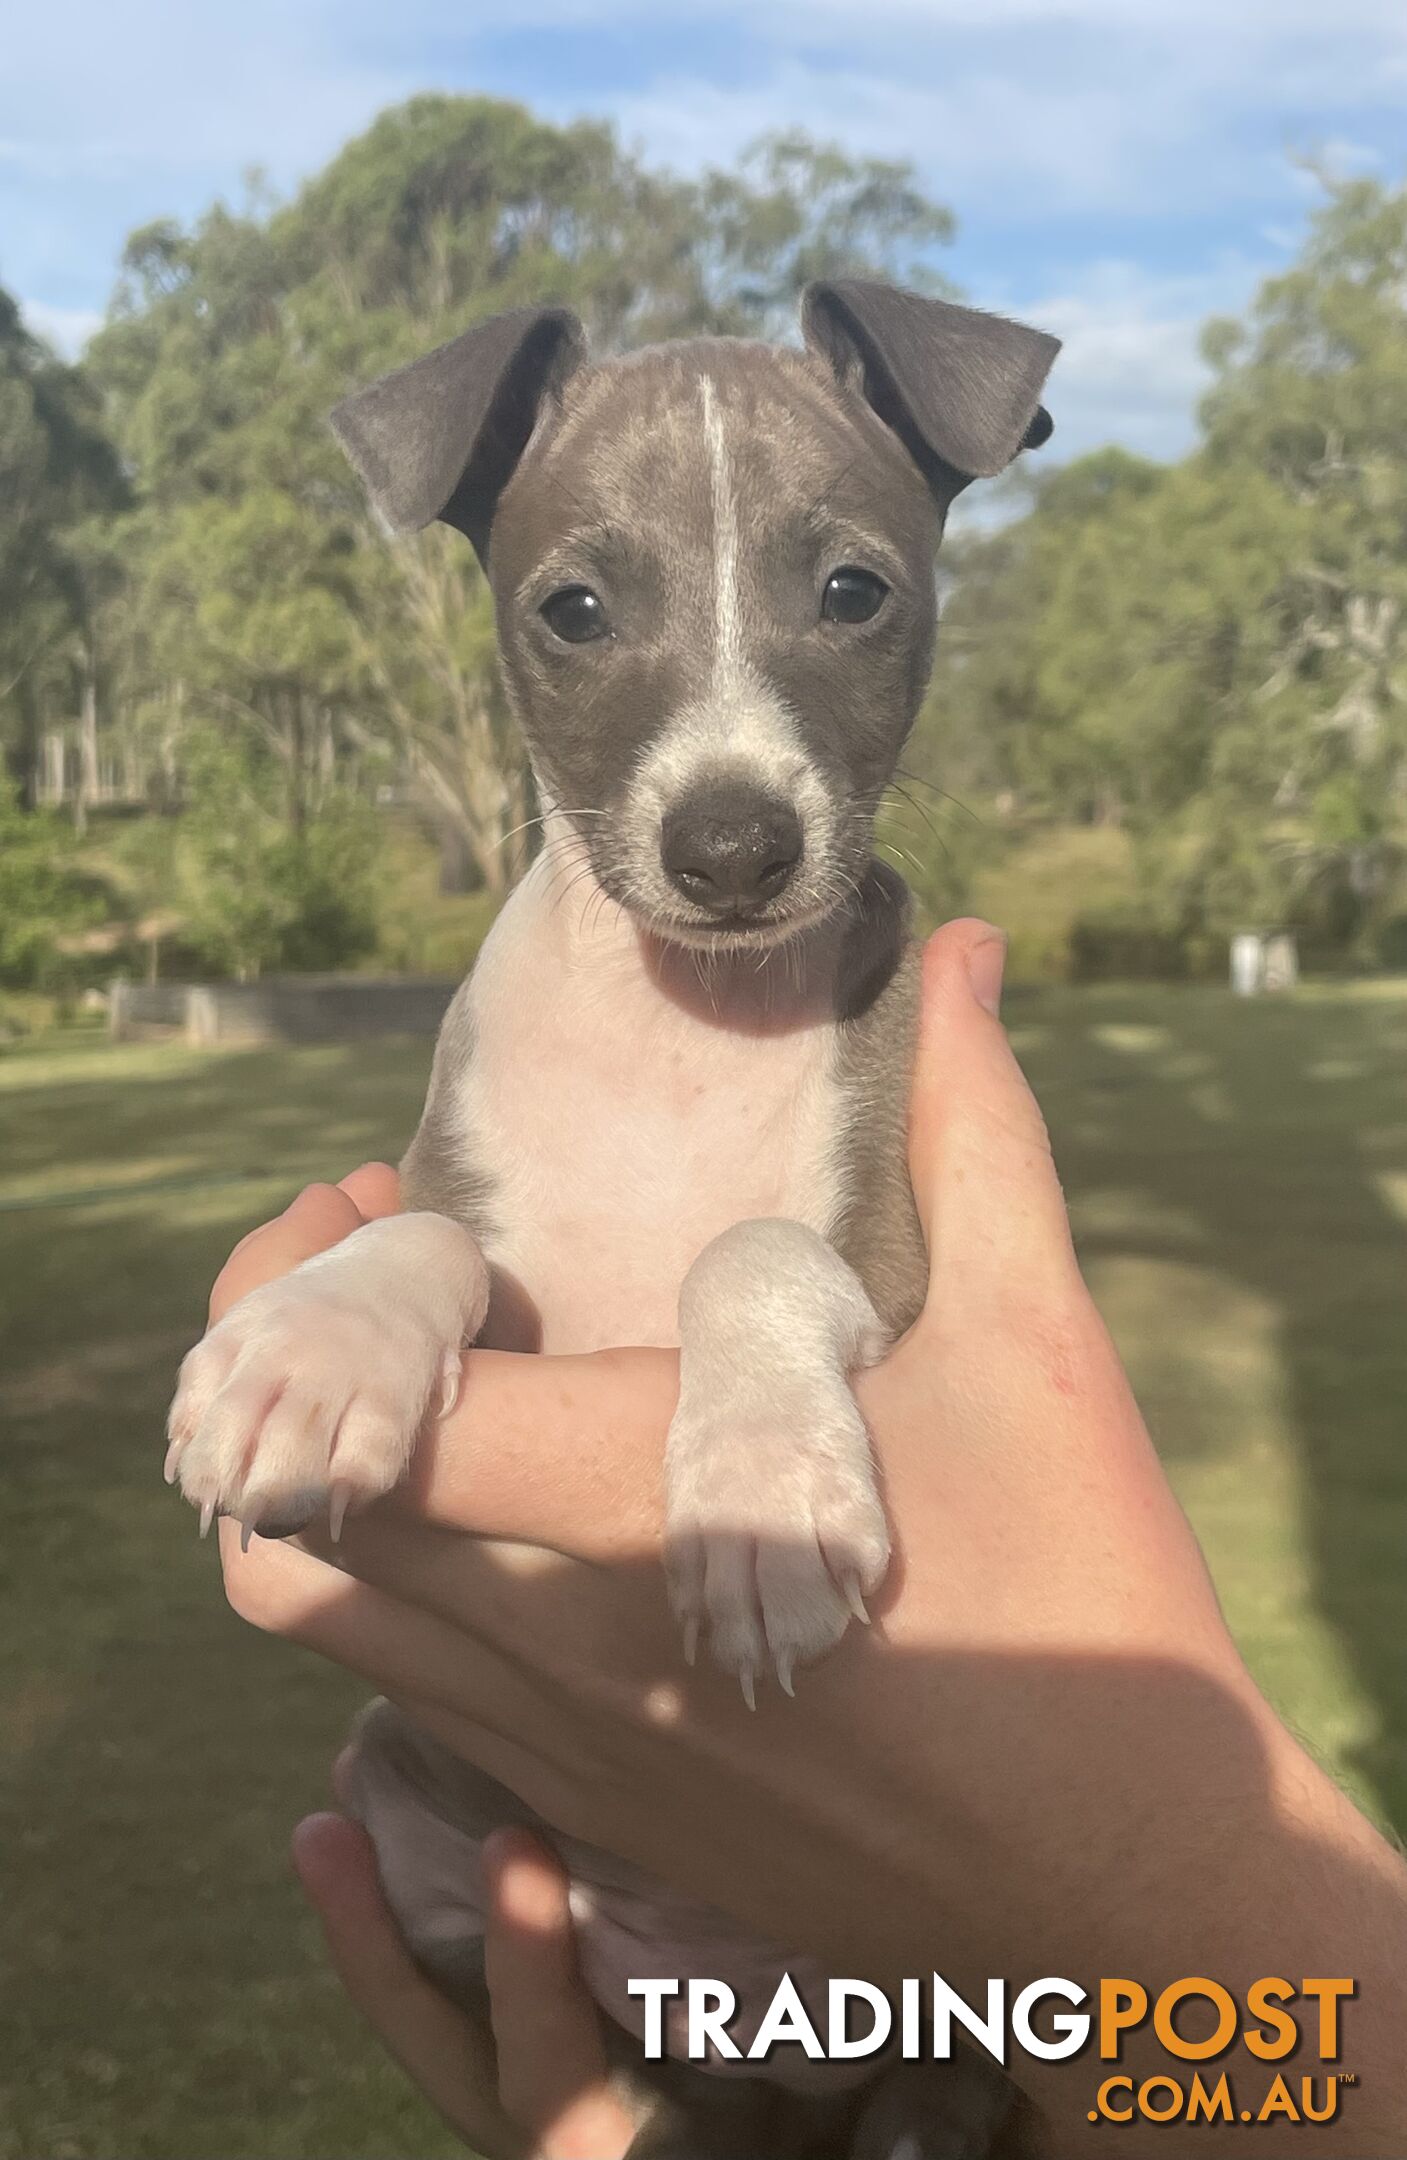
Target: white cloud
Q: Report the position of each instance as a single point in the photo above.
(988, 138)
(1079, 99)
(96, 89)
(114, 114)
(1123, 124)
(1041, 105)
(1130, 370)
(1178, 19)
(67, 329)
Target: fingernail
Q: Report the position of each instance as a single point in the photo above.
(986, 962)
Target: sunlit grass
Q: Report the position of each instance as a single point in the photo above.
(1235, 1173)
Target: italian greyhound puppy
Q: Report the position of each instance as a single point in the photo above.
(668, 1105)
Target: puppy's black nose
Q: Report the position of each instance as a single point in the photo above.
(731, 850)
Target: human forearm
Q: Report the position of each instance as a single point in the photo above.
(1286, 1883)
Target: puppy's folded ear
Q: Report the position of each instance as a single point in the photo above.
(960, 389)
(440, 438)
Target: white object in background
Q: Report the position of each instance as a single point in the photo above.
(1247, 963)
(1282, 962)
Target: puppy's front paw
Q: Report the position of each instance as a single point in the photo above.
(309, 1395)
(775, 1533)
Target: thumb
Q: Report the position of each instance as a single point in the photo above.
(986, 1188)
(322, 1215)
(374, 1189)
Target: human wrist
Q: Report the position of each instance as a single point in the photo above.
(1294, 1893)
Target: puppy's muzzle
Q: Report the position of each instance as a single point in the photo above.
(731, 850)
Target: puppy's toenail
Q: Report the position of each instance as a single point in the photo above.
(281, 1518)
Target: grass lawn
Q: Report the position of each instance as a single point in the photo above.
(1239, 1180)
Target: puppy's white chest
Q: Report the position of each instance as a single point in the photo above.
(620, 1133)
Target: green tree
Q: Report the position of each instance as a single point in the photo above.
(256, 895)
(44, 902)
(57, 471)
(1312, 393)
(1212, 653)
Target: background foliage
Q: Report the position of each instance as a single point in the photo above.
(1184, 682)
(1210, 655)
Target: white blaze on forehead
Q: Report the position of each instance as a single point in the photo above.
(727, 627)
(737, 727)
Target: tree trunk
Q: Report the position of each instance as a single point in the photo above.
(297, 766)
(25, 757)
(86, 793)
(171, 735)
(458, 870)
(53, 782)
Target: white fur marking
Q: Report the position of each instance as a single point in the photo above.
(725, 534)
(619, 1132)
(738, 727)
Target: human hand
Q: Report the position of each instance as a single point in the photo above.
(547, 2067)
(1042, 1757)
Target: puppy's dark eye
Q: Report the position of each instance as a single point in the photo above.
(852, 595)
(575, 615)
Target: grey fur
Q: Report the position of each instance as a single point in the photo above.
(438, 1172)
(440, 438)
(435, 1170)
(879, 1231)
(960, 388)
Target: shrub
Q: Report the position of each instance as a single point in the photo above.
(1038, 956)
(1390, 945)
(1129, 944)
(259, 896)
(44, 899)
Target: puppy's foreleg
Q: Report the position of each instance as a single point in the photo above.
(309, 1395)
(775, 1529)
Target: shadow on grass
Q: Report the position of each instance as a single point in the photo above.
(160, 1992)
(116, 2044)
(1260, 1139)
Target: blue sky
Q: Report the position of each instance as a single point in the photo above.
(1119, 169)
